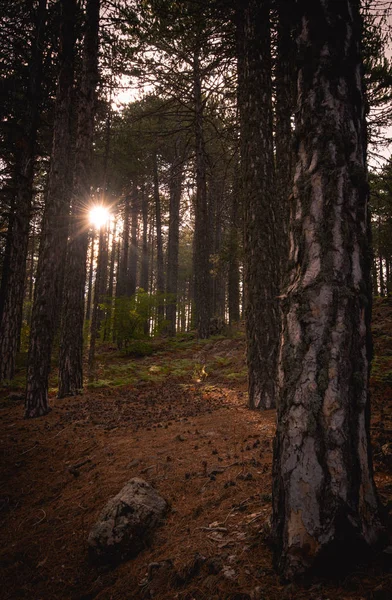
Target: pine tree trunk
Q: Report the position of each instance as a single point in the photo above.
(90, 279)
(123, 262)
(144, 271)
(110, 289)
(99, 291)
(284, 108)
(18, 235)
(215, 204)
(260, 240)
(160, 262)
(201, 256)
(234, 271)
(71, 344)
(133, 251)
(325, 507)
(381, 271)
(144, 262)
(54, 230)
(176, 175)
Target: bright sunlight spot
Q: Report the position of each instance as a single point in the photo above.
(99, 216)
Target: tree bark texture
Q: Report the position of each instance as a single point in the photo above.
(258, 189)
(54, 230)
(201, 256)
(18, 237)
(324, 499)
(71, 344)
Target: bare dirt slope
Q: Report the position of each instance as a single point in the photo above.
(190, 434)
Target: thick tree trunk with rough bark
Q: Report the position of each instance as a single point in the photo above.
(13, 285)
(176, 176)
(54, 230)
(325, 506)
(71, 344)
(260, 239)
(201, 255)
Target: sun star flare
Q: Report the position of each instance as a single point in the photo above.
(99, 215)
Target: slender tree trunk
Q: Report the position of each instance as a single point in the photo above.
(32, 265)
(381, 271)
(133, 252)
(201, 260)
(325, 507)
(54, 230)
(110, 288)
(261, 247)
(152, 274)
(375, 276)
(234, 271)
(218, 279)
(285, 88)
(71, 344)
(18, 236)
(90, 279)
(123, 262)
(145, 265)
(176, 175)
(99, 291)
(144, 261)
(160, 262)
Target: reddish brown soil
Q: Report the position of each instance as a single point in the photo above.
(205, 452)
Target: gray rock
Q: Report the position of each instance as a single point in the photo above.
(126, 523)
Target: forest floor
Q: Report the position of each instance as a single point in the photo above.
(177, 418)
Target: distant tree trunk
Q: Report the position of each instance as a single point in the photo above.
(144, 262)
(218, 279)
(123, 257)
(53, 244)
(160, 262)
(32, 264)
(381, 271)
(201, 256)
(133, 252)
(18, 234)
(284, 76)
(144, 272)
(325, 507)
(90, 278)
(234, 268)
(375, 276)
(71, 344)
(113, 252)
(176, 175)
(260, 240)
(99, 292)
(110, 288)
